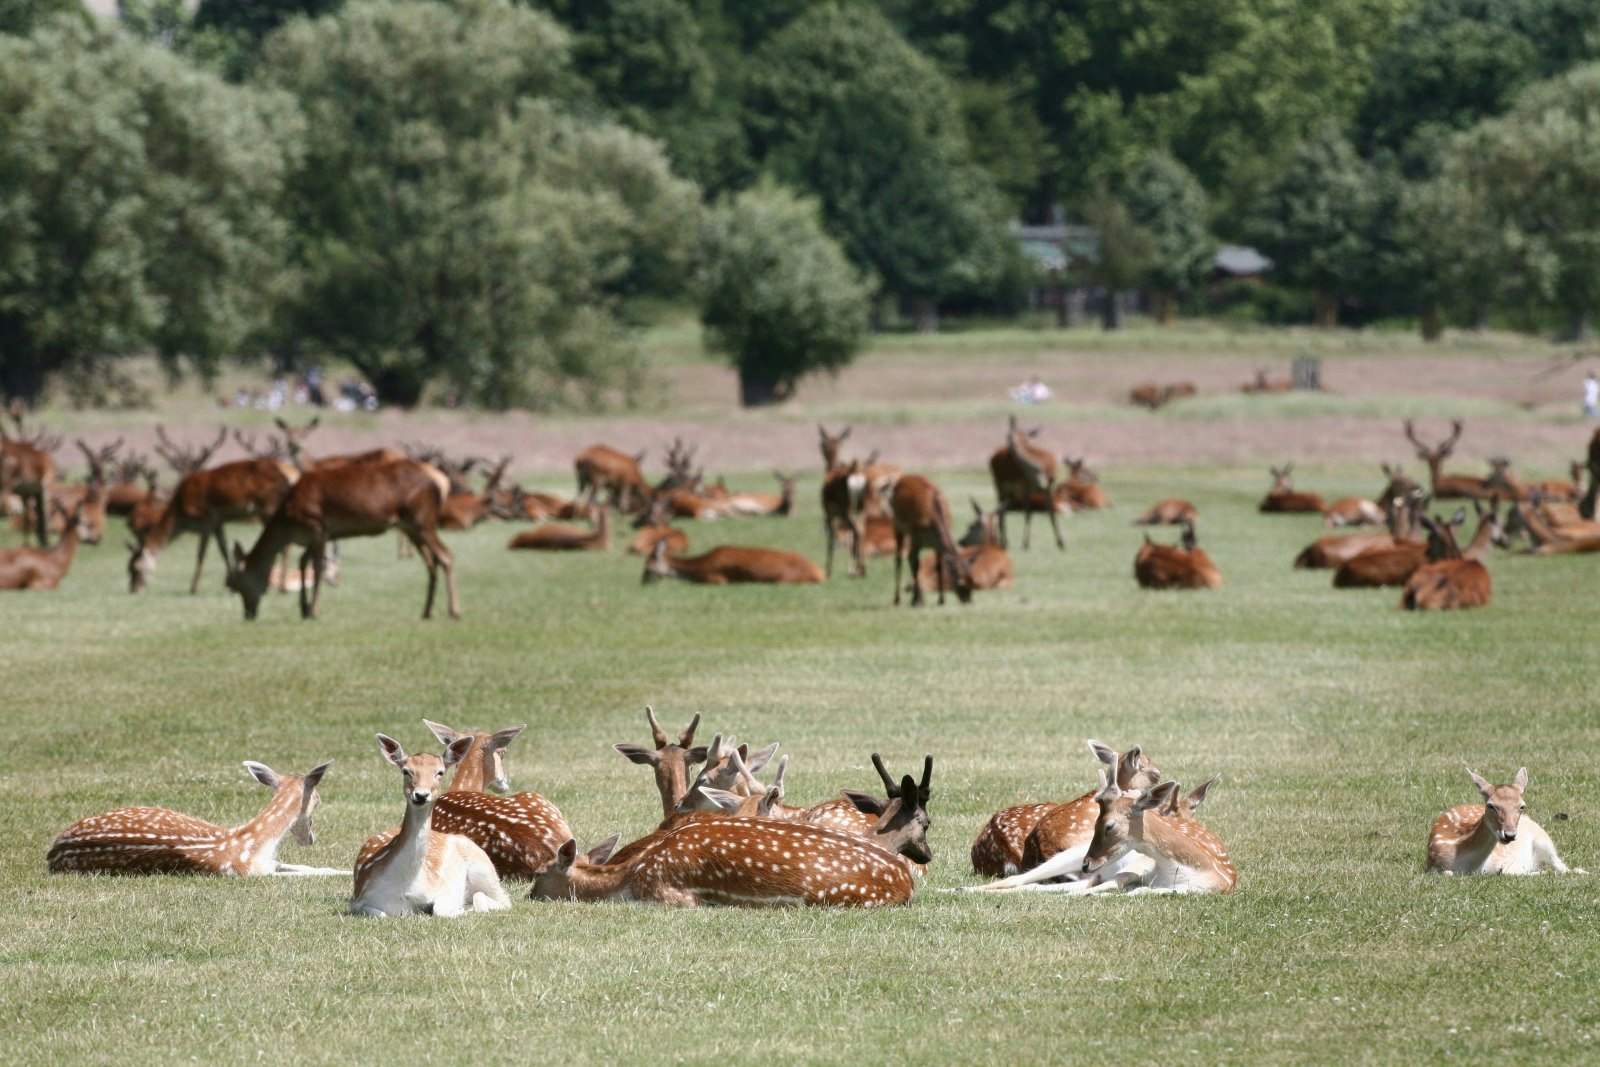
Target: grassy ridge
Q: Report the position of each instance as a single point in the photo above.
(1338, 725)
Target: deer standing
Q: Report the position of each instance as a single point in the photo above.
(1170, 512)
(731, 564)
(1181, 566)
(603, 469)
(1282, 499)
(922, 520)
(1447, 486)
(1024, 475)
(417, 870)
(1494, 837)
(159, 841)
(559, 537)
(42, 568)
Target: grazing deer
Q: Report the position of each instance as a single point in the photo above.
(361, 500)
(602, 469)
(559, 537)
(42, 568)
(731, 564)
(417, 870)
(1493, 837)
(1008, 840)
(1282, 499)
(1447, 486)
(1169, 512)
(922, 520)
(1023, 477)
(1450, 581)
(27, 470)
(519, 833)
(1080, 490)
(755, 862)
(159, 841)
(1181, 566)
(990, 564)
(780, 503)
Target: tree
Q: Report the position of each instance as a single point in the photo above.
(780, 298)
(1167, 202)
(20, 17)
(139, 207)
(461, 219)
(1449, 252)
(232, 31)
(1127, 251)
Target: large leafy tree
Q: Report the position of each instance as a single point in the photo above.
(1126, 253)
(1168, 203)
(20, 17)
(139, 206)
(460, 219)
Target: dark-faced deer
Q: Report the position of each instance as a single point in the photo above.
(1494, 837)
(732, 564)
(1024, 476)
(1282, 499)
(922, 521)
(1181, 566)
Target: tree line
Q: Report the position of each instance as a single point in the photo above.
(488, 195)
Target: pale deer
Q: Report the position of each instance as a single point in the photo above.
(1353, 511)
(1494, 837)
(990, 564)
(603, 469)
(559, 537)
(1080, 490)
(42, 568)
(731, 564)
(1181, 566)
(922, 520)
(1449, 581)
(1170, 512)
(361, 500)
(159, 841)
(1184, 855)
(1024, 480)
(780, 503)
(27, 470)
(1447, 486)
(1282, 498)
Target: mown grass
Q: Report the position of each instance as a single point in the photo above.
(1337, 723)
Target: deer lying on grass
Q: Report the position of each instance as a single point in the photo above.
(731, 564)
(1181, 566)
(520, 833)
(294, 579)
(1447, 486)
(1003, 846)
(159, 841)
(91, 495)
(1153, 396)
(990, 564)
(1024, 480)
(1352, 511)
(1334, 549)
(1262, 384)
(1493, 837)
(756, 862)
(1449, 580)
(603, 469)
(42, 568)
(1080, 490)
(1549, 540)
(558, 537)
(670, 760)
(361, 500)
(1169, 512)
(27, 470)
(780, 503)
(417, 870)
(645, 541)
(131, 484)
(1395, 566)
(463, 511)
(1282, 499)
(922, 520)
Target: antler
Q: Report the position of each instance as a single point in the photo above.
(656, 732)
(890, 786)
(1411, 435)
(1455, 435)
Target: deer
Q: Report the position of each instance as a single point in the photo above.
(1262, 384)
(644, 542)
(519, 833)
(1353, 511)
(540, 506)
(1549, 540)
(878, 478)
(922, 520)
(732, 564)
(990, 564)
(843, 492)
(361, 500)
(124, 492)
(780, 503)
(1184, 855)
(1282, 499)
(757, 862)
(1394, 566)
(1450, 580)
(1080, 490)
(42, 568)
(670, 760)
(294, 579)
(1008, 840)
(1023, 477)
(560, 537)
(603, 469)
(27, 470)
(1147, 395)
(1494, 837)
(463, 511)
(1181, 566)
(1332, 550)
(1591, 497)
(1170, 512)
(160, 841)
(417, 870)
(90, 496)
(1447, 486)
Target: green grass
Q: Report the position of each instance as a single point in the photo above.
(1337, 723)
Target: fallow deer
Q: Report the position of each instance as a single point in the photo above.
(1282, 499)
(1024, 476)
(1181, 566)
(1184, 855)
(603, 469)
(1450, 581)
(1080, 490)
(417, 870)
(922, 520)
(1447, 486)
(1171, 512)
(1494, 837)
(670, 760)
(27, 470)
(362, 500)
(732, 564)
(559, 537)
(42, 568)
(159, 841)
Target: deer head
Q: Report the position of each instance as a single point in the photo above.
(309, 800)
(1502, 804)
(903, 820)
(422, 775)
(491, 750)
(670, 761)
(830, 444)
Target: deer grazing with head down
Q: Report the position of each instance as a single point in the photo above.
(922, 521)
(1181, 566)
(159, 841)
(1494, 837)
(1282, 498)
(417, 870)
(1024, 480)
(731, 565)
(1451, 579)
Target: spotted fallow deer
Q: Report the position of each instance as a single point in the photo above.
(756, 862)
(603, 469)
(1494, 837)
(1183, 854)
(922, 520)
(1012, 841)
(560, 537)
(1282, 498)
(417, 870)
(1023, 476)
(731, 565)
(1447, 486)
(1450, 581)
(519, 833)
(159, 841)
(670, 760)
(1170, 512)
(1181, 566)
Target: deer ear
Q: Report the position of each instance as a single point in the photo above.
(865, 803)
(442, 732)
(1521, 780)
(457, 750)
(694, 755)
(908, 789)
(566, 854)
(1156, 797)
(721, 798)
(1198, 796)
(262, 773)
(759, 759)
(1477, 780)
(638, 754)
(502, 738)
(601, 852)
(391, 750)
(314, 775)
(1103, 752)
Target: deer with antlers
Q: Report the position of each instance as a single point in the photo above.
(1182, 566)
(1494, 837)
(90, 496)
(922, 521)
(1447, 486)
(655, 526)
(1282, 498)
(159, 841)
(43, 568)
(416, 869)
(603, 469)
(362, 500)
(732, 565)
(1450, 580)
(463, 511)
(27, 470)
(1024, 480)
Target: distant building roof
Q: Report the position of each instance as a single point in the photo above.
(1241, 261)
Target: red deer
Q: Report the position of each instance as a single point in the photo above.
(1181, 566)
(1024, 477)
(990, 565)
(1334, 549)
(1169, 513)
(730, 564)
(159, 841)
(1352, 511)
(1263, 384)
(1549, 539)
(1394, 566)
(843, 489)
(1080, 490)
(91, 496)
(644, 542)
(463, 511)
(362, 500)
(1591, 498)
(1450, 581)
(417, 870)
(541, 506)
(1447, 486)
(1000, 848)
(922, 520)
(559, 537)
(27, 470)
(1282, 499)
(1147, 395)
(602, 469)
(780, 503)
(1494, 837)
(42, 568)
(125, 492)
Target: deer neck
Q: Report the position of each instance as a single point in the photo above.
(1480, 538)
(1537, 528)
(255, 844)
(589, 882)
(1474, 851)
(67, 547)
(274, 537)
(672, 781)
(473, 770)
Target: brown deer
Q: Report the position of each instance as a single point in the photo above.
(1548, 539)
(644, 542)
(780, 503)
(1282, 499)
(1024, 476)
(922, 520)
(159, 841)
(1353, 511)
(27, 470)
(415, 869)
(1183, 855)
(1447, 486)
(843, 505)
(42, 568)
(132, 484)
(670, 760)
(1181, 566)
(541, 506)
(91, 496)
(1494, 837)
(559, 537)
(1591, 497)
(362, 500)
(1262, 384)
(603, 469)
(990, 564)
(463, 511)
(1332, 550)
(1169, 512)
(730, 564)
(1450, 581)
(1080, 490)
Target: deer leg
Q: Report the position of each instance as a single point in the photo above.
(41, 526)
(1027, 525)
(938, 558)
(914, 560)
(858, 561)
(899, 553)
(200, 558)
(309, 611)
(1002, 509)
(827, 531)
(1055, 525)
(285, 870)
